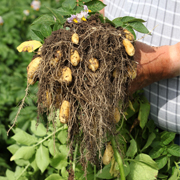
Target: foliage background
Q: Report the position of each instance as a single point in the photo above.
(29, 151)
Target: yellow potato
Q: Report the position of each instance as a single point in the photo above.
(64, 112)
(108, 154)
(117, 115)
(66, 75)
(33, 67)
(94, 64)
(128, 35)
(75, 58)
(75, 38)
(128, 47)
(47, 99)
(132, 72)
(54, 61)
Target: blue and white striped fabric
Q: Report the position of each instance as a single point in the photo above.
(164, 96)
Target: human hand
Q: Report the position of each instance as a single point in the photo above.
(154, 64)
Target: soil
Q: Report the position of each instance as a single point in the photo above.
(93, 96)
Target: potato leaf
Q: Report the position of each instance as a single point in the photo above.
(167, 137)
(44, 19)
(24, 138)
(174, 150)
(132, 150)
(36, 35)
(161, 161)
(42, 158)
(127, 19)
(104, 173)
(38, 130)
(156, 152)
(69, 4)
(45, 30)
(138, 26)
(23, 152)
(117, 22)
(95, 6)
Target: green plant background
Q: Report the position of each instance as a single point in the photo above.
(40, 152)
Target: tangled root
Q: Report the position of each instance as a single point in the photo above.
(94, 94)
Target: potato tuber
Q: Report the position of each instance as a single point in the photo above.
(108, 154)
(128, 35)
(64, 112)
(94, 64)
(66, 75)
(117, 115)
(75, 38)
(75, 58)
(128, 47)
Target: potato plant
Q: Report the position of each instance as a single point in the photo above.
(95, 130)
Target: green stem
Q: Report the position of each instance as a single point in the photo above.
(74, 158)
(23, 171)
(94, 172)
(120, 125)
(50, 136)
(118, 159)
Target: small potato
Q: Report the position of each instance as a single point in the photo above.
(115, 73)
(39, 51)
(128, 35)
(64, 112)
(94, 64)
(75, 58)
(54, 61)
(132, 72)
(108, 154)
(128, 47)
(47, 99)
(117, 115)
(66, 75)
(75, 38)
(33, 67)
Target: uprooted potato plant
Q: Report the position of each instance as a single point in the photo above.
(84, 70)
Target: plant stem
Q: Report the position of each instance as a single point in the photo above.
(74, 158)
(23, 171)
(49, 136)
(94, 172)
(118, 159)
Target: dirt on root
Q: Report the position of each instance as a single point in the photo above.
(93, 96)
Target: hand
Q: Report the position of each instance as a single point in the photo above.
(154, 64)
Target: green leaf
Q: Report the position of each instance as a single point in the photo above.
(143, 112)
(42, 158)
(138, 26)
(151, 137)
(126, 168)
(104, 173)
(62, 136)
(118, 22)
(143, 168)
(69, 4)
(64, 11)
(161, 161)
(44, 19)
(57, 15)
(59, 161)
(36, 35)
(24, 138)
(174, 149)
(13, 148)
(167, 137)
(156, 152)
(54, 177)
(127, 19)
(64, 150)
(64, 173)
(10, 175)
(45, 30)
(95, 5)
(24, 152)
(147, 160)
(53, 148)
(132, 150)
(175, 175)
(38, 130)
